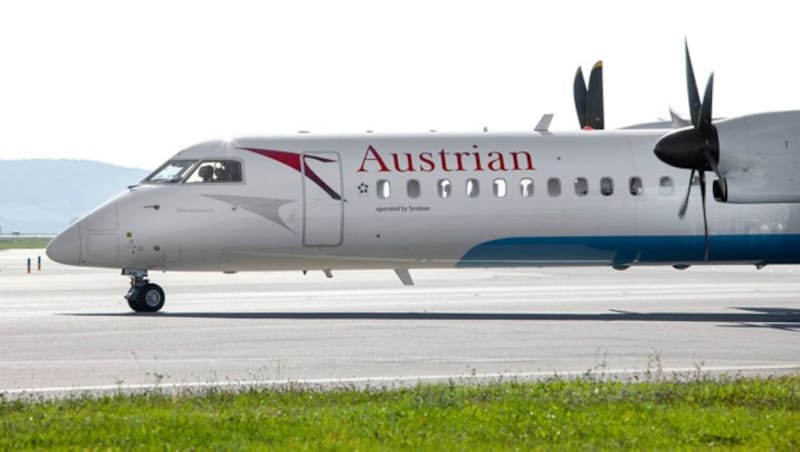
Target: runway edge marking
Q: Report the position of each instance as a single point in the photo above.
(389, 381)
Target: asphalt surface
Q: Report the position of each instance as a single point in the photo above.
(67, 329)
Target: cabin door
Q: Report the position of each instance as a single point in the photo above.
(323, 205)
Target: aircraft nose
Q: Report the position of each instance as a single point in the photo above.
(66, 247)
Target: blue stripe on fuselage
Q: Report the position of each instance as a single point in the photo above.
(535, 251)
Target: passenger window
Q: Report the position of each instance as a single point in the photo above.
(445, 188)
(554, 186)
(212, 171)
(499, 188)
(473, 188)
(666, 186)
(636, 186)
(581, 186)
(606, 186)
(383, 189)
(526, 187)
(412, 188)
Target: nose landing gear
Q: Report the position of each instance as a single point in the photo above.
(143, 296)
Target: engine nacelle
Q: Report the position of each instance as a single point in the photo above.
(759, 158)
(752, 190)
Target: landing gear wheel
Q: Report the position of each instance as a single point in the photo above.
(143, 296)
(146, 298)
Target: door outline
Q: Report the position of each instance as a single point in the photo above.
(337, 186)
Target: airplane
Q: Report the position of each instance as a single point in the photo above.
(615, 198)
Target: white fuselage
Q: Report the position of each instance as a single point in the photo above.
(377, 201)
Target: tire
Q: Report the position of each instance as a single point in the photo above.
(148, 298)
(133, 304)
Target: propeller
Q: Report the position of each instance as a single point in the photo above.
(695, 148)
(589, 101)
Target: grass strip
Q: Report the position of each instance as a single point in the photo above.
(31, 243)
(559, 414)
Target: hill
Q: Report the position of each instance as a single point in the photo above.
(45, 196)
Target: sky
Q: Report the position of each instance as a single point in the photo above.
(133, 82)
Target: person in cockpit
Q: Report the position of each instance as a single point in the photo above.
(221, 174)
(206, 173)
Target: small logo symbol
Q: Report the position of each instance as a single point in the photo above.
(363, 188)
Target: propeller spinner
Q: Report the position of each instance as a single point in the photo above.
(697, 147)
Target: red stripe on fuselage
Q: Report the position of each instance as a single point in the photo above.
(292, 160)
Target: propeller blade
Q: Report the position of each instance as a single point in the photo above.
(696, 149)
(594, 104)
(705, 219)
(685, 204)
(580, 94)
(712, 163)
(691, 87)
(704, 124)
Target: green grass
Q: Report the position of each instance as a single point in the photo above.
(31, 243)
(561, 414)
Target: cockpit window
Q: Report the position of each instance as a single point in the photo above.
(171, 172)
(210, 171)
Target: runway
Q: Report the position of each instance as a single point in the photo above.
(67, 328)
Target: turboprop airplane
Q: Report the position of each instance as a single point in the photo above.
(539, 198)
